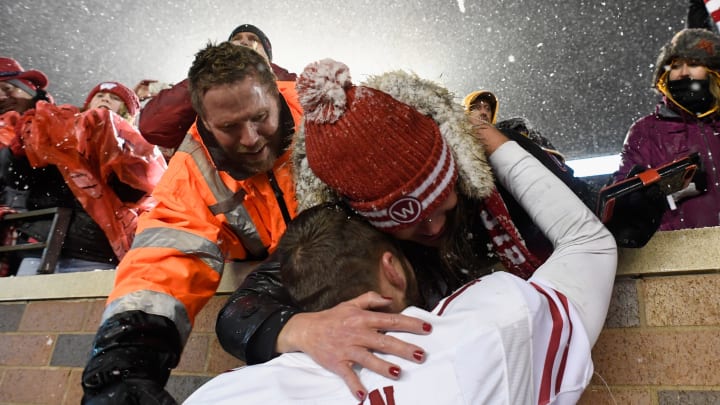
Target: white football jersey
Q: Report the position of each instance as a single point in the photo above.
(498, 340)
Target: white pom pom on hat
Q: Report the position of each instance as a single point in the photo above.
(321, 90)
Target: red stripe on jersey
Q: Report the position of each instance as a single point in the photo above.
(563, 362)
(389, 394)
(553, 347)
(454, 295)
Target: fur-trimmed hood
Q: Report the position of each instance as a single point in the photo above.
(475, 178)
(695, 44)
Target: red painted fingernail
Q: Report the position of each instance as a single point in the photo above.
(360, 395)
(418, 355)
(387, 298)
(427, 327)
(394, 371)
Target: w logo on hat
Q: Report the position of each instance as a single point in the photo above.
(405, 210)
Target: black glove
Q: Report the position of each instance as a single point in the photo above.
(132, 356)
(637, 216)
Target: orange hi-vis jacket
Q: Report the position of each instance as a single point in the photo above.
(203, 218)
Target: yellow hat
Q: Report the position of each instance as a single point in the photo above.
(488, 96)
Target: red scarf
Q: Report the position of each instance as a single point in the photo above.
(506, 239)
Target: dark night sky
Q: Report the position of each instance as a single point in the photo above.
(578, 70)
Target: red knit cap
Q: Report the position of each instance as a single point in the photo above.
(132, 103)
(386, 159)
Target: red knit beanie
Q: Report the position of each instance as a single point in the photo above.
(132, 103)
(387, 160)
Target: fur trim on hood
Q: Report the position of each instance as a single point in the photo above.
(475, 175)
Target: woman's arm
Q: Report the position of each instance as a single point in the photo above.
(249, 323)
(259, 321)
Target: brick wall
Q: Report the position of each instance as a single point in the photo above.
(660, 346)
(44, 346)
(661, 341)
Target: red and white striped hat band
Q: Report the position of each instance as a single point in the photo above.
(415, 205)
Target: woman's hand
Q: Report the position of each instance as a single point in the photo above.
(348, 333)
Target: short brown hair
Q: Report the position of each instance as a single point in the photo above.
(223, 64)
(329, 255)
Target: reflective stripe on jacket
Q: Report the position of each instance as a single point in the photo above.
(203, 218)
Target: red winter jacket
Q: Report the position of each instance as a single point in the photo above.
(87, 148)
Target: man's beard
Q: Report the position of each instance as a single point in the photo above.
(233, 163)
(237, 165)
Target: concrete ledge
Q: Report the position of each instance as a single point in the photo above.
(92, 284)
(674, 252)
(686, 251)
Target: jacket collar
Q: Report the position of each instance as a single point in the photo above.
(668, 109)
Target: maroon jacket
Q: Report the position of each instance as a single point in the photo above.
(672, 133)
(167, 117)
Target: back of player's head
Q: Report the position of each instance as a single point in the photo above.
(329, 255)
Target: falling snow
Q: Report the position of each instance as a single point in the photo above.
(578, 70)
